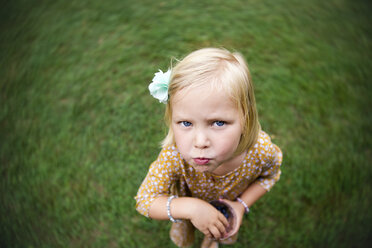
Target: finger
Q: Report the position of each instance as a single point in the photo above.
(215, 232)
(223, 219)
(221, 227)
(208, 234)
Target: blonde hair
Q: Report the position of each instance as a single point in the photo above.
(222, 70)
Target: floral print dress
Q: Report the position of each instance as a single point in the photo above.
(261, 165)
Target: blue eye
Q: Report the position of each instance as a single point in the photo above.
(185, 123)
(219, 123)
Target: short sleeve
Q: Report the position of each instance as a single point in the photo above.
(161, 175)
(271, 166)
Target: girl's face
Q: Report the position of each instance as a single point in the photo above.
(207, 128)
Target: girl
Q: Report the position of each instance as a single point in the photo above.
(214, 150)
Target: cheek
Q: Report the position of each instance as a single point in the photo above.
(230, 142)
(229, 146)
(181, 141)
(177, 135)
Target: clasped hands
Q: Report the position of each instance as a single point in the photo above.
(211, 222)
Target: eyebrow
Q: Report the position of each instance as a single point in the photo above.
(208, 119)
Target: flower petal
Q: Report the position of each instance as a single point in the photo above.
(162, 95)
(159, 86)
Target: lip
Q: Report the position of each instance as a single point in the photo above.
(201, 161)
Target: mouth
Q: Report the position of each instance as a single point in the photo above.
(201, 161)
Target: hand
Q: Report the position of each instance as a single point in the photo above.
(208, 219)
(238, 211)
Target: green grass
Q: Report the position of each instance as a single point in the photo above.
(78, 128)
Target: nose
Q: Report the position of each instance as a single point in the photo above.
(201, 140)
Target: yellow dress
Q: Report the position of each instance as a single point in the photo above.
(261, 165)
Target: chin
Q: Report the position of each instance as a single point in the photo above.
(202, 168)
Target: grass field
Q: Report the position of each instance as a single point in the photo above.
(78, 128)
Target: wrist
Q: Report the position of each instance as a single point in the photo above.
(240, 208)
(170, 199)
(243, 205)
(184, 207)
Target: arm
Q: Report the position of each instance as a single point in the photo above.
(269, 176)
(202, 215)
(254, 192)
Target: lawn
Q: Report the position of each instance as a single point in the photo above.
(78, 128)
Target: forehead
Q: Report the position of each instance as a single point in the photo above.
(203, 101)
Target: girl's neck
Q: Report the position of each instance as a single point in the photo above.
(230, 165)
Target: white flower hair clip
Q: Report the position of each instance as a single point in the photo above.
(159, 86)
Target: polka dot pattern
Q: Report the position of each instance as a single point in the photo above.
(261, 164)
